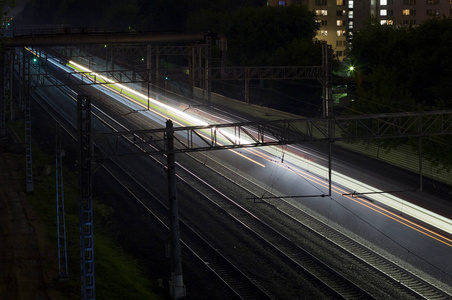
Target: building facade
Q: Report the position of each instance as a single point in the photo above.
(338, 19)
(402, 12)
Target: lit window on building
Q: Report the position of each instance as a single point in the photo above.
(341, 2)
(350, 14)
(383, 12)
(350, 4)
(340, 22)
(383, 2)
(321, 12)
(340, 32)
(282, 3)
(387, 22)
(323, 32)
(350, 24)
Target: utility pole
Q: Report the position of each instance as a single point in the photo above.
(61, 220)
(26, 86)
(176, 285)
(85, 169)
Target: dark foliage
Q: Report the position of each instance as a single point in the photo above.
(406, 69)
(264, 35)
(80, 13)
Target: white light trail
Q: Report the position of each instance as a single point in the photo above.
(387, 199)
(182, 114)
(351, 184)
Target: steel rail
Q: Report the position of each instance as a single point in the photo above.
(375, 263)
(235, 280)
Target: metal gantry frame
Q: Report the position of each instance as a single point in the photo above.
(280, 132)
(201, 72)
(172, 140)
(84, 124)
(204, 138)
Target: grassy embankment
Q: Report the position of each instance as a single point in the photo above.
(117, 275)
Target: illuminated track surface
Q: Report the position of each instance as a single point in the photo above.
(325, 279)
(295, 219)
(265, 232)
(292, 253)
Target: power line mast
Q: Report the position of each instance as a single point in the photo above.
(85, 169)
(177, 288)
(26, 86)
(6, 93)
(61, 219)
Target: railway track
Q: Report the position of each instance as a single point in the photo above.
(331, 282)
(235, 282)
(396, 276)
(324, 278)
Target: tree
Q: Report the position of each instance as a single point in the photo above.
(416, 59)
(406, 69)
(256, 34)
(430, 64)
(6, 6)
(117, 14)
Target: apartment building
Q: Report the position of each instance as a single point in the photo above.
(338, 19)
(401, 12)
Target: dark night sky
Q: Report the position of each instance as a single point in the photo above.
(19, 6)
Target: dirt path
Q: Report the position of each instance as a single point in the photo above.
(25, 253)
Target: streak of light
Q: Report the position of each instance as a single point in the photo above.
(185, 116)
(372, 206)
(389, 200)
